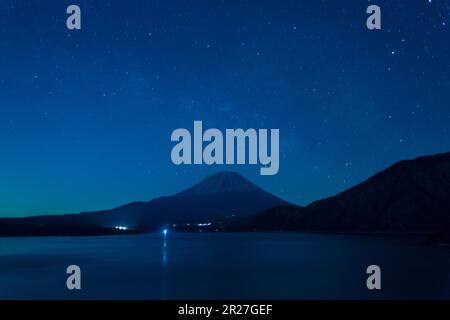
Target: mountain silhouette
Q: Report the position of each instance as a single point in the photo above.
(411, 196)
(223, 182)
(219, 196)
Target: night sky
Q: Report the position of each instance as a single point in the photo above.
(86, 115)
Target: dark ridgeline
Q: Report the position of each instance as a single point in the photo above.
(411, 196)
(220, 196)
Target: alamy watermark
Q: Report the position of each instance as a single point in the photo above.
(73, 281)
(240, 147)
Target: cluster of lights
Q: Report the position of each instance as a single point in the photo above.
(204, 224)
(120, 228)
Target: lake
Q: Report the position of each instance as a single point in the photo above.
(223, 266)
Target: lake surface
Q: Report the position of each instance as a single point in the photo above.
(223, 266)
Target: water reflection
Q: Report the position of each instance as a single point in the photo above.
(164, 252)
(164, 249)
(164, 278)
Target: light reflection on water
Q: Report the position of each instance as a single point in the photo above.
(222, 266)
(165, 287)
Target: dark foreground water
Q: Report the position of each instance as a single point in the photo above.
(228, 266)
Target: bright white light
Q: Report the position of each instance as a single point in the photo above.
(165, 231)
(204, 224)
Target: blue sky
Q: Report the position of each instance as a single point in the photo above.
(86, 115)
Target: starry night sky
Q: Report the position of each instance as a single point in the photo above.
(86, 116)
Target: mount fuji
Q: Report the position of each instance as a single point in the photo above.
(220, 196)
